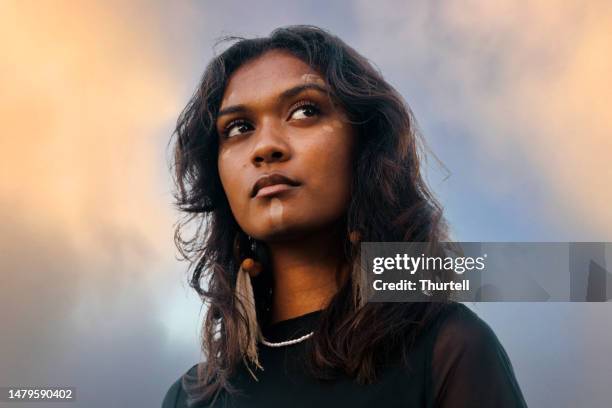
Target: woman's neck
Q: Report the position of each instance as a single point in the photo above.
(306, 274)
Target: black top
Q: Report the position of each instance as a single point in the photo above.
(458, 363)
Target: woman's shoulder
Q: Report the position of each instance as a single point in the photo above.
(176, 397)
(462, 335)
(460, 327)
(469, 365)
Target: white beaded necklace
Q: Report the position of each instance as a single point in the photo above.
(286, 343)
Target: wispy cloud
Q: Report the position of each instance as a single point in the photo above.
(531, 79)
(88, 100)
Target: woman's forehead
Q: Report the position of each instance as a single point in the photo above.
(268, 76)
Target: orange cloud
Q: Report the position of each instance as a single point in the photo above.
(87, 102)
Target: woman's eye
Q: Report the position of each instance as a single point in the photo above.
(304, 111)
(236, 128)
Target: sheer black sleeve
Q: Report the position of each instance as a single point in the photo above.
(470, 367)
(176, 397)
(172, 395)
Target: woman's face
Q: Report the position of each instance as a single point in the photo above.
(285, 151)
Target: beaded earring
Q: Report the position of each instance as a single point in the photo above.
(249, 268)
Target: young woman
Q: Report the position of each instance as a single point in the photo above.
(292, 151)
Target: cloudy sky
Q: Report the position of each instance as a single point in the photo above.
(512, 98)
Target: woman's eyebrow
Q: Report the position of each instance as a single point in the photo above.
(286, 94)
(291, 92)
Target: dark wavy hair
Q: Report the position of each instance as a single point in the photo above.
(350, 339)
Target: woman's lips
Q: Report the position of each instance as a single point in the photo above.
(272, 179)
(273, 190)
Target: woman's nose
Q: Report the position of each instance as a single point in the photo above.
(271, 144)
